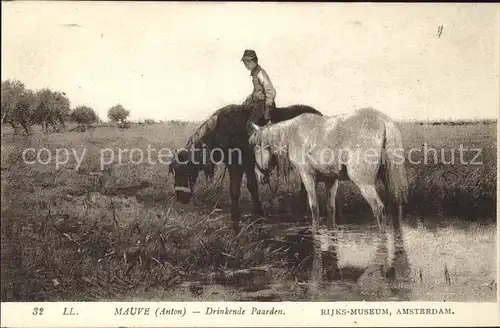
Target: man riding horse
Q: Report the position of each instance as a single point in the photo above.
(227, 130)
(261, 100)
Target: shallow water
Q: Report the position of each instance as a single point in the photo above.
(445, 261)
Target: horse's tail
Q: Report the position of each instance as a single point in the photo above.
(395, 175)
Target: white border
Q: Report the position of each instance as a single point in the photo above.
(297, 314)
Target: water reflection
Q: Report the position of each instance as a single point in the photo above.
(399, 271)
(377, 264)
(400, 262)
(360, 264)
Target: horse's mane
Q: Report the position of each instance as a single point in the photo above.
(272, 135)
(216, 130)
(215, 126)
(202, 132)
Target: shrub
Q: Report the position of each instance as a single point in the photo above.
(84, 115)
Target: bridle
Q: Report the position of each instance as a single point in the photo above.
(185, 189)
(266, 172)
(188, 189)
(263, 171)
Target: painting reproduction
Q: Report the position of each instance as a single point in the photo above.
(248, 152)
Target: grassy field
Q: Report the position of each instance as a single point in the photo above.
(88, 235)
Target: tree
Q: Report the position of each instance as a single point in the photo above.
(16, 105)
(118, 114)
(11, 92)
(84, 115)
(52, 107)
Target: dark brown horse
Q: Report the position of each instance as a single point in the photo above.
(223, 138)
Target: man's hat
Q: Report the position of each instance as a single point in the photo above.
(249, 54)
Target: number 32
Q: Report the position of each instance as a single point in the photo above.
(37, 311)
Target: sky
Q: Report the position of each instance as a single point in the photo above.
(182, 60)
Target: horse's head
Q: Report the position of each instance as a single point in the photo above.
(185, 172)
(265, 160)
(186, 166)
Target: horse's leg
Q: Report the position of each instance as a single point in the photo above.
(331, 189)
(309, 181)
(369, 192)
(302, 203)
(235, 176)
(253, 188)
(364, 175)
(382, 253)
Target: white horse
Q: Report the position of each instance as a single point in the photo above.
(361, 147)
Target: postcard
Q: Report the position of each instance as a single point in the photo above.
(168, 164)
